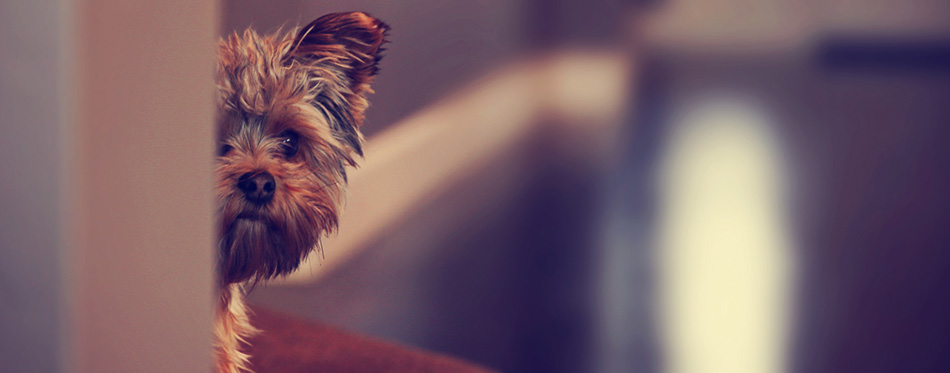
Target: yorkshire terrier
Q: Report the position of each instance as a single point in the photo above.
(290, 106)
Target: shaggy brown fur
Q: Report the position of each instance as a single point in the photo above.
(290, 107)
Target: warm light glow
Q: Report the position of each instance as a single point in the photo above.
(724, 251)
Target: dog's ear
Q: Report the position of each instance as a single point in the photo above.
(349, 47)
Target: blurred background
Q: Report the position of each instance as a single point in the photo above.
(550, 186)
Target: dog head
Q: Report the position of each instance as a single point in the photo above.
(289, 110)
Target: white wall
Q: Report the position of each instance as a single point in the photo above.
(106, 232)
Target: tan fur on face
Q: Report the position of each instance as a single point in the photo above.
(313, 83)
(260, 242)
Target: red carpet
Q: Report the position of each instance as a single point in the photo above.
(289, 344)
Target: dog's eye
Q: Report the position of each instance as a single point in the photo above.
(224, 149)
(288, 143)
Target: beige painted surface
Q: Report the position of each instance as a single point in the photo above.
(139, 265)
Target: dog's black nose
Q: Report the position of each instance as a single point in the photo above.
(258, 187)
